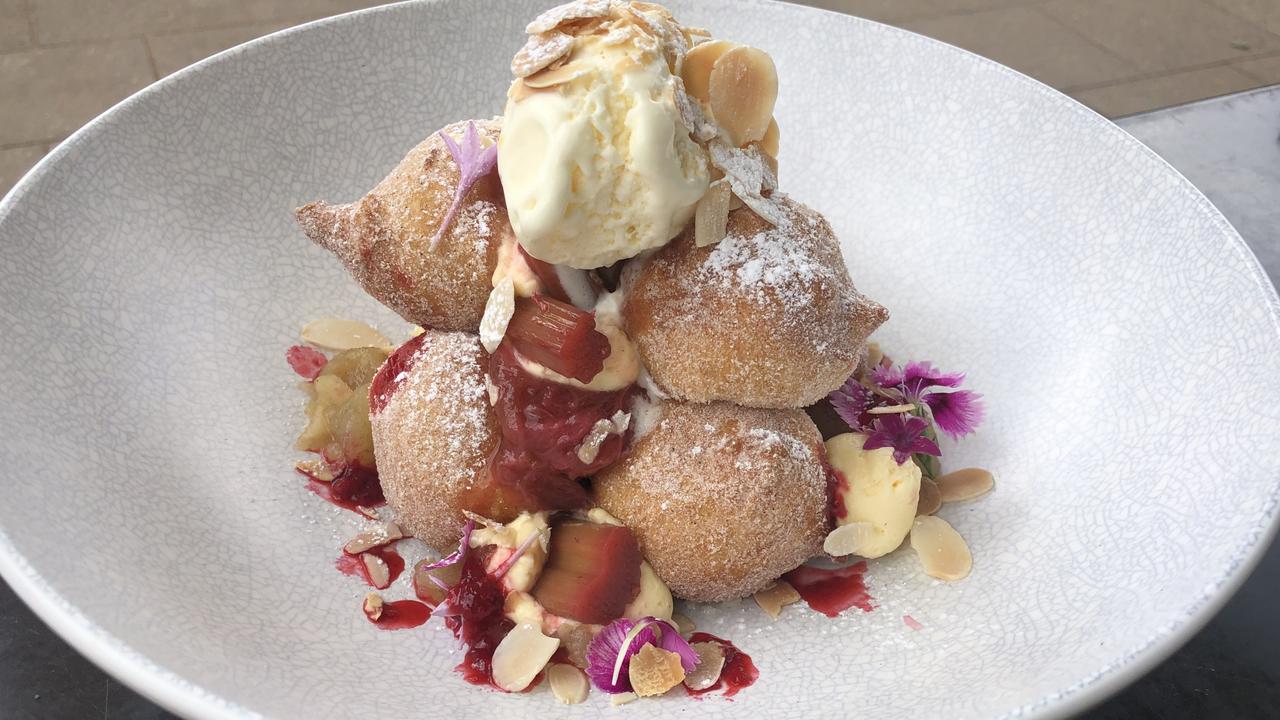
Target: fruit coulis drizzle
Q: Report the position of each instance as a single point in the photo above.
(832, 590)
(352, 488)
(478, 621)
(402, 615)
(352, 565)
(738, 673)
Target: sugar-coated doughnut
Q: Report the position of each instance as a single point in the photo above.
(433, 432)
(723, 499)
(384, 238)
(767, 317)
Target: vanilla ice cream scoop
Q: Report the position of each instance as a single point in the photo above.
(595, 163)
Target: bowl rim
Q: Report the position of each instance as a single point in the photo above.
(187, 698)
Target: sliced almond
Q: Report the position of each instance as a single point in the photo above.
(710, 665)
(371, 513)
(540, 51)
(520, 656)
(376, 567)
(376, 536)
(770, 162)
(654, 671)
(769, 143)
(566, 13)
(575, 638)
(373, 606)
(497, 314)
(749, 176)
(930, 497)
(622, 698)
(551, 77)
(336, 334)
(891, 409)
(775, 597)
(684, 623)
(711, 217)
(943, 553)
(315, 469)
(568, 683)
(698, 63)
(849, 539)
(742, 90)
(965, 484)
(700, 127)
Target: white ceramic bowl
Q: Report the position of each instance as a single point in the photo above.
(151, 277)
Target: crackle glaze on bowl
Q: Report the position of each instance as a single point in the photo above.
(151, 277)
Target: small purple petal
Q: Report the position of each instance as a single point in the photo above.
(887, 376)
(461, 552)
(474, 161)
(602, 654)
(672, 641)
(850, 401)
(956, 413)
(904, 434)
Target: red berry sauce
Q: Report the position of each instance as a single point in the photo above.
(832, 590)
(352, 565)
(402, 615)
(738, 673)
(392, 372)
(479, 623)
(352, 487)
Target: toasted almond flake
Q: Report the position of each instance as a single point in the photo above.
(749, 176)
(775, 597)
(930, 497)
(684, 623)
(654, 671)
(849, 539)
(553, 76)
(315, 469)
(622, 698)
(769, 143)
(600, 432)
(371, 513)
(373, 606)
(491, 390)
(568, 12)
(711, 217)
(943, 553)
(891, 409)
(376, 567)
(520, 656)
(698, 63)
(497, 314)
(742, 90)
(700, 127)
(539, 52)
(415, 331)
(336, 334)
(874, 354)
(710, 665)
(376, 536)
(575, 638)
(568, 683)
(965, 484)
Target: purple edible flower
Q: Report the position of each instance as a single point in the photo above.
(474, 161)
(461, 552)
(850, 401)
(610, 652)
(904, 433)
(956, 413)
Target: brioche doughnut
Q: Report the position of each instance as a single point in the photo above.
(433, 432)
(383, 238)
(723, 499)
(767, 317)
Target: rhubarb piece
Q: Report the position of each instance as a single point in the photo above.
(592, 572)
(357, 366)
(558, 336)
(547, 275)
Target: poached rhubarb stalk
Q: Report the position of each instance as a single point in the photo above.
(558, 336)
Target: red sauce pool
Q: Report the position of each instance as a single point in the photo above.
(352, 565)
(837, 486)
(738, 673)
(542, 422)
(353, 487)
(832, 590)
(402, 615)
(389, 376)
(479, 623)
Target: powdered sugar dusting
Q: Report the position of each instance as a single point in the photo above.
(433, 438)
(747, 483)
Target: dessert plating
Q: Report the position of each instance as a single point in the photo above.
(627, 334)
